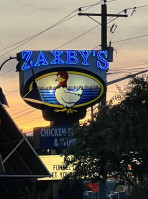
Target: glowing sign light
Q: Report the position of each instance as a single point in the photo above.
(69, 81)
(77, 90)
(41, 60)
(67, 57)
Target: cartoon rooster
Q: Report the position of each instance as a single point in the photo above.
(64, 96)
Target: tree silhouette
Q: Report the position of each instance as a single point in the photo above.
(116, 144)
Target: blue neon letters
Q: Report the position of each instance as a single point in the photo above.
(41, 60)
(71, 57)
(26, 55)
(102, 63)
(57, 59)
(85, 54)
(61, 57)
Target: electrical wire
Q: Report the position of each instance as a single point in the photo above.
(12, 92)
(22, 42)
(25, 114)
(33, 37)
(114, 91)
(122, 40)
(7, 71)
(124, 71)
(92, 5)
(127, 39)
(142, 6)
(30, 121)
(20, 111)
(37, 34)
(125, 10)
(131, 38)
(58, 23)
(114, 18)
(133, 65)
(77, 37)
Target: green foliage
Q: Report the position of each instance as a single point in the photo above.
(118, 138)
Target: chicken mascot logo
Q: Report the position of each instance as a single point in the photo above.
(66, 97)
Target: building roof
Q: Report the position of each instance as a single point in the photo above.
(18, 158)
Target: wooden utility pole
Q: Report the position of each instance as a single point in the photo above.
(103, 15)
(104, 27)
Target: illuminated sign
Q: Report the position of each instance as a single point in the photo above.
(55, 164)
(68, 81)
(68, 57)
(69, 90)
(53, 138)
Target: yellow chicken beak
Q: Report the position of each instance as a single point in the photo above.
(60, 79)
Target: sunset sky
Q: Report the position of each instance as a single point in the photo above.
(21, 21)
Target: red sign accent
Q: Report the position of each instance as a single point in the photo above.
(94, 187)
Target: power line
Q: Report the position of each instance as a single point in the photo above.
(58, 23)
(125, 10)
(127, 39)
(142, 6)
(22, 42)
(12, 92)
(7, 71)
(131, 38)
(134, 65)
(20, 111)
(114, 91)
(92, 5)
(30, 121)
(125, 71)
(77, 37)
(25, 114)
(126, 68)
(37, 34)
(126, 77)
(33, 37)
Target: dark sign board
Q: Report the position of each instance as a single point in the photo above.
(54, 137)
(69, 81)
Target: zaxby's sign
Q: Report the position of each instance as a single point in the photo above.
(69, 81)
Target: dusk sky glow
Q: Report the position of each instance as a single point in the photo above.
(49, 25)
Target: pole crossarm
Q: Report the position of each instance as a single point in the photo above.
(108, 15)
(103, 24)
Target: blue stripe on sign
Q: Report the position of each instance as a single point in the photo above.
(87, 95)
